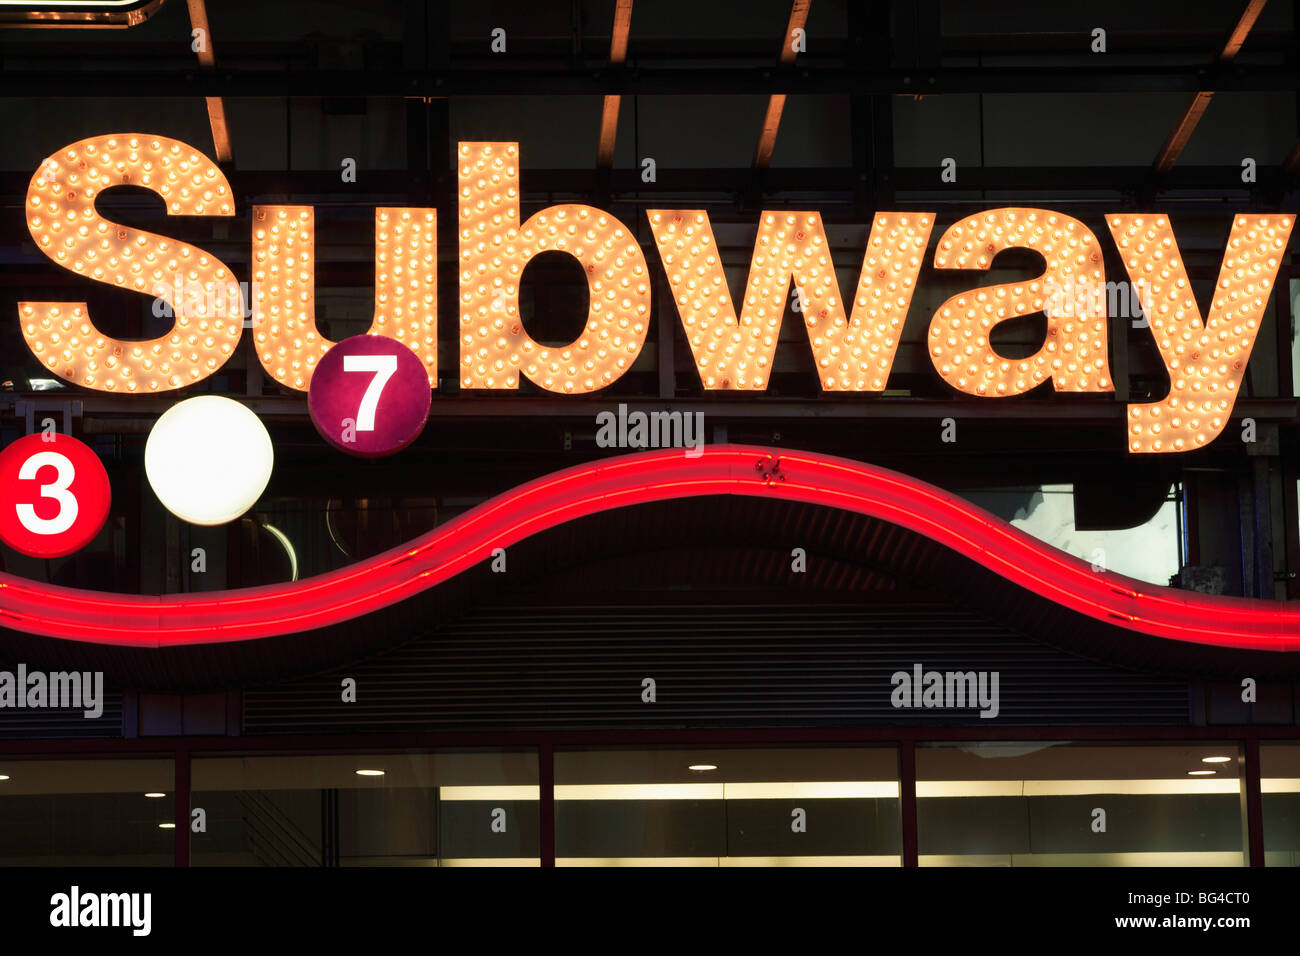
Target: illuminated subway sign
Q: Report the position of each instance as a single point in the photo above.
(853, 340)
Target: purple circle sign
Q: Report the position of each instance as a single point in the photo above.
(369, 396)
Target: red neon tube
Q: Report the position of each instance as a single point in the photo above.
(249, 613)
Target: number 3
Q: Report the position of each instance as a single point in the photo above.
(58, 490)
(383, 366)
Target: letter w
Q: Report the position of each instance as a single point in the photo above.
(854, 351)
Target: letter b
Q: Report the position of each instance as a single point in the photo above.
(494, 251)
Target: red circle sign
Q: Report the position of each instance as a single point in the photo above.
(369, 396)
(54, 495)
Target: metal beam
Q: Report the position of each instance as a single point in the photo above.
(1060, 187)
(871, 117)
(208, 61)
(102, 412)
(617, 56)
(1252, 798)
(1195, 109)
(1244, 25)
(127, 47)
(776, 102)
(767, 137)
(1292, 161)
(53, 15)
(1224, 77)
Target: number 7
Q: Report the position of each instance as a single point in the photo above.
(383, 366)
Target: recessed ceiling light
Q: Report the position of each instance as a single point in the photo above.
(370, 773)
(1215, 759)
(1200, 773)
(166, 826)
(154, 794)
(702, 766)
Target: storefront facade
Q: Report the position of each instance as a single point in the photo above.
(904, 557)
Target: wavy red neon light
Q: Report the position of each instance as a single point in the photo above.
(173, 620)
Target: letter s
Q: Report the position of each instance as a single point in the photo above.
(62, 219)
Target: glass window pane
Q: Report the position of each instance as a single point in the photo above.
(1064, 804)
(86, 812)
(1280, 782)
(740, 807)
(452, 808)
(1295, 335)
(1148, 552)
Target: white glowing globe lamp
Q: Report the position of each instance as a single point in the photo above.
(208, 459)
